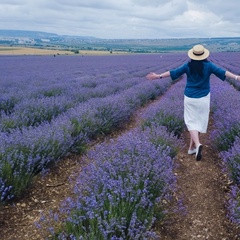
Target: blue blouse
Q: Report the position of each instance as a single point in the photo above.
(196, 86)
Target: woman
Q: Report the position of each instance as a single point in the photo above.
(196, 93)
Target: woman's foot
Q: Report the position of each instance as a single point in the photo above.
(199, 152)
(192, 151)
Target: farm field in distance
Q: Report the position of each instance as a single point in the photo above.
(8, 50)
(4, 50)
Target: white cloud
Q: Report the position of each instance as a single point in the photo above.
(125, 18)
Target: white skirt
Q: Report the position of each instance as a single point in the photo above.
(196, 113)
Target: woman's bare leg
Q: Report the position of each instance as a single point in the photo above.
(191, 143)
(194, 137)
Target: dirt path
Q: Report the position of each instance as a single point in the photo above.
(203, 188)
(201, 185)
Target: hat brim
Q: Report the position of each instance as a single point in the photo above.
(198, 57)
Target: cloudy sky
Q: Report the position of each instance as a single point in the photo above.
(124, 18)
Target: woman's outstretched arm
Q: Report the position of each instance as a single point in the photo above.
(152, 75)
(231, 75)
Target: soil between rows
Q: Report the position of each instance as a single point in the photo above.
(201, 185)
(204, 189)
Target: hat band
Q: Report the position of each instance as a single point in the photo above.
(198, 54)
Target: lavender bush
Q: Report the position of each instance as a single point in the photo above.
(234, 205)
(226, 138)
(226, 118)
(120, 194)
(29, 151)
(170, 112)
(231, 159)
(29, 114)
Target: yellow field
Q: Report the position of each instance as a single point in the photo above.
(30, 51)
(37, 51)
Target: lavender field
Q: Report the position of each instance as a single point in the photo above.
(51, 107)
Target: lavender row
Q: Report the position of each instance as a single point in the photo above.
(34, 111)
(226, 118)
(123, 191)
(226, 138)
(128, 182)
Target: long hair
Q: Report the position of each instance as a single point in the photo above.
(196, 67)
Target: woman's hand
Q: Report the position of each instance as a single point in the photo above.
(152, 76)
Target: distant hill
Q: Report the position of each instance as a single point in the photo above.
(78, 43)
(23, 33)
(36, 34)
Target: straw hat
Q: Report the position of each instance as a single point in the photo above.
(198, 52)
